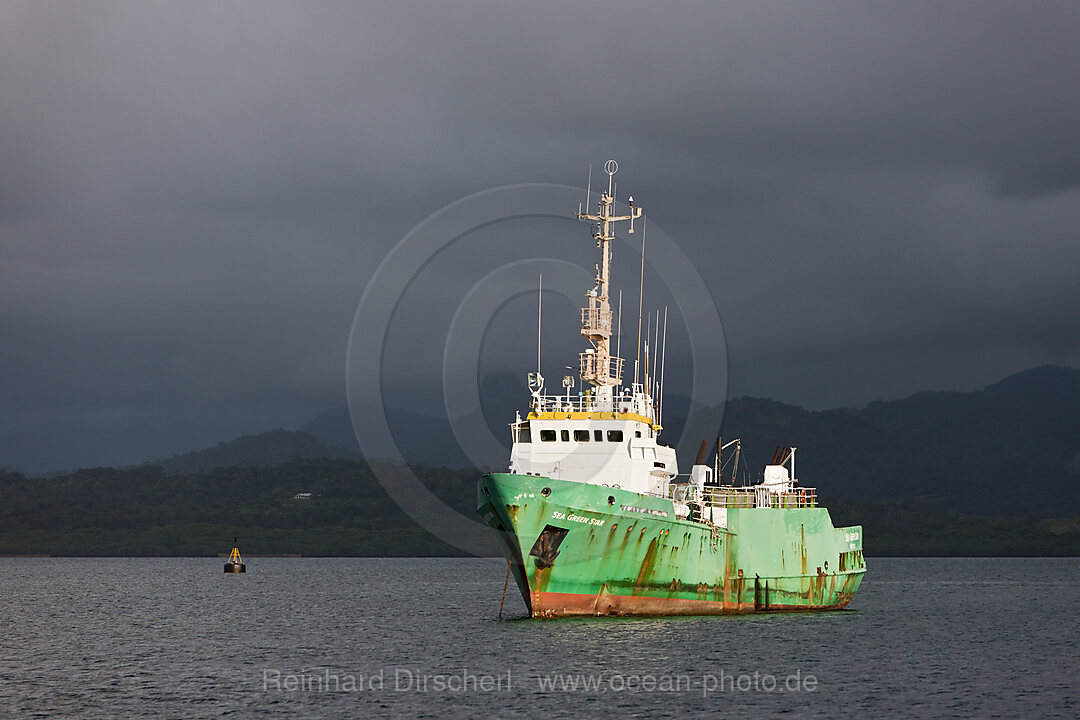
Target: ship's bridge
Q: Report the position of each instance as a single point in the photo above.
(606, 435)
(608, 441)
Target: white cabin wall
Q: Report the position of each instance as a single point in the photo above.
(629, 464)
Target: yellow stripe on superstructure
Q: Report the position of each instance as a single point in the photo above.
(578, 415)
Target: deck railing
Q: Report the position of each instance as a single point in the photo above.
(620, 402)
(591, 367)
(728, 496)
(595, 321)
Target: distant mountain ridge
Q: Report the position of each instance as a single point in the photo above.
(916, 473)
(269, 449)
(421, 439)
(1009, 448)
(979, 452)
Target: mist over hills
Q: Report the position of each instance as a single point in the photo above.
(982, 452)
(269, 449)
(1010, 448)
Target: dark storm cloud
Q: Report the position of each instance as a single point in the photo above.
(882, 197)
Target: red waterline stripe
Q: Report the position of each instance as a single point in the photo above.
(554, 604)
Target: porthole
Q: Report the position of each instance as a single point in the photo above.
(545, 492)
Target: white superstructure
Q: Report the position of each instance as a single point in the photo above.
(607, 434)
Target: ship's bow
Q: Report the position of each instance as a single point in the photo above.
(502, 503)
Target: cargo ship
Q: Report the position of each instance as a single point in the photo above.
(595, 519)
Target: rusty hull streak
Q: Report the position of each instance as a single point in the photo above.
(802, 546)
(646, 564)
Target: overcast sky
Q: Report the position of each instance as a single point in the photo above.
(881, 197)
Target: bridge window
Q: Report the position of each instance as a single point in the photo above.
(598, 435)
(547, 436)
(565, 435)
(637, 433)
(524, 433)
(614, 435)
(581, 435)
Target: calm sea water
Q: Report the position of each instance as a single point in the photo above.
(313, 638)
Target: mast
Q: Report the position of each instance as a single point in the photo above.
(600, 368)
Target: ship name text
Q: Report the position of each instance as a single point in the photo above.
(577, 518)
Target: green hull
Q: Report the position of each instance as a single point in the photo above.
(580, 549)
